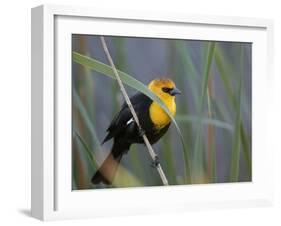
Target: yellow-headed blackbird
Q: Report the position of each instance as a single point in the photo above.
(153, 120)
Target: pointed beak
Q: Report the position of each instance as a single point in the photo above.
(175, 91)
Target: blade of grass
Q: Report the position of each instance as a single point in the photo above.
(82, 110)
(79, 174)
(190, 71)
(166, 143)
(211, 163)
(235, 152)
(189, 77)
(166, 146)
(86, 149)
(230, 71)
(198, 163)
(130, 81)
(207, 121)
(229, 92)
(246, 147)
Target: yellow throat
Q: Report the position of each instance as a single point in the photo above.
(158, 116)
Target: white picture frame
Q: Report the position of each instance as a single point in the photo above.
(52, 197)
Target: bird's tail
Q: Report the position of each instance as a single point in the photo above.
(107, 171)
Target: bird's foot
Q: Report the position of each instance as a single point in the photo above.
(155, 162)
(141, 132)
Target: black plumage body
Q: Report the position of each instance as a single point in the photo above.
(119, 129)
(124, 130)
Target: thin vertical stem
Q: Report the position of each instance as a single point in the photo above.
(236, 143)
(211, 165)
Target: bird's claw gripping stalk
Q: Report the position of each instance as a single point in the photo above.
(141, 132)
(155, 162)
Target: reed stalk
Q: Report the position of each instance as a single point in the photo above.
(127, 99)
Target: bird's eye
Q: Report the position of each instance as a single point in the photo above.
(166, 89)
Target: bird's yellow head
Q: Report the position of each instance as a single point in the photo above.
(164, 88)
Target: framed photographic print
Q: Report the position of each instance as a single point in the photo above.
(153, 112)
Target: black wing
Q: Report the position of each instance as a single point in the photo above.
(119, 124)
